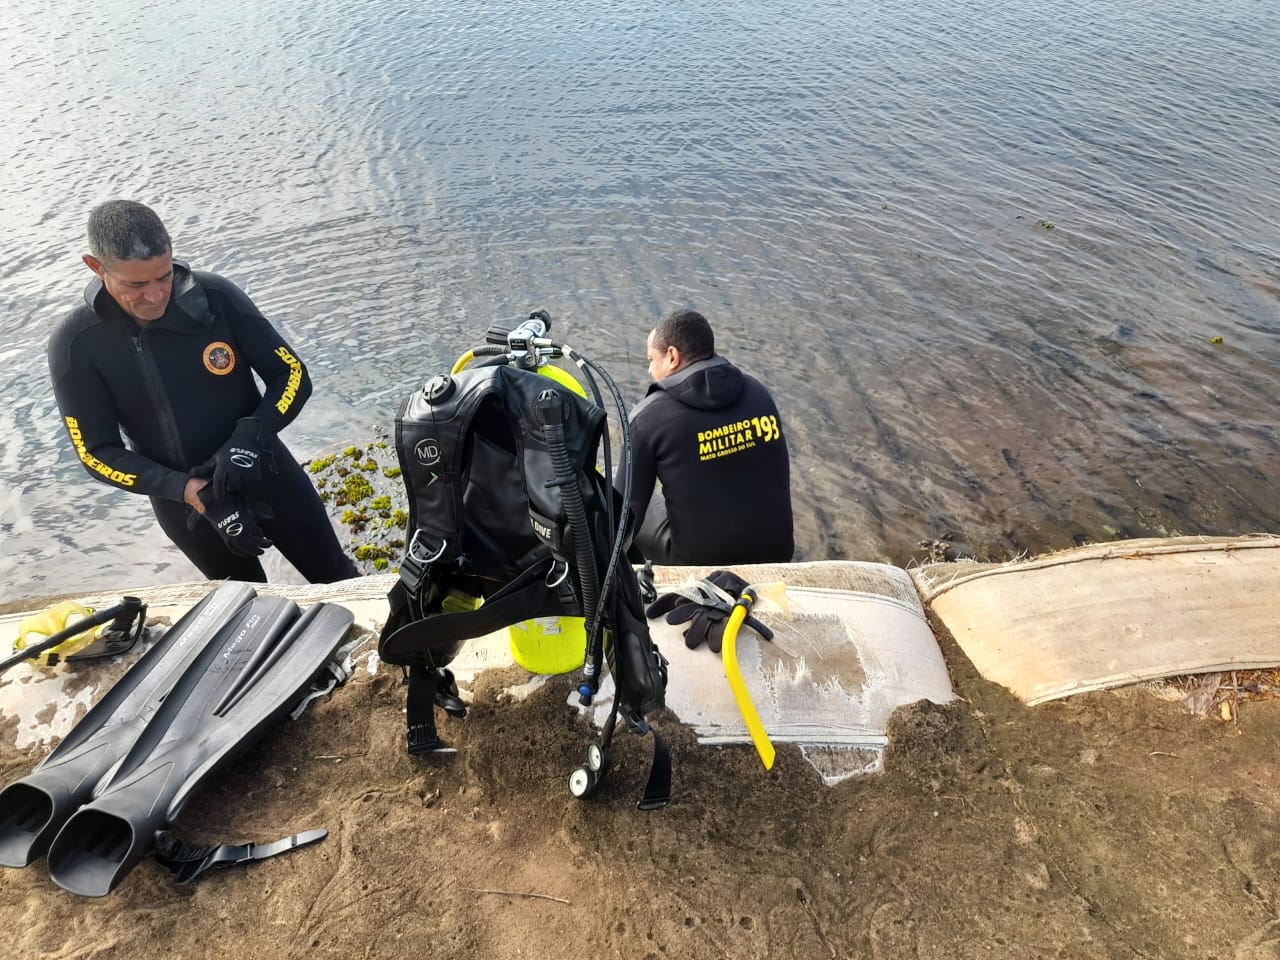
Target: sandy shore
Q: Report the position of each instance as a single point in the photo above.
(1106, 825)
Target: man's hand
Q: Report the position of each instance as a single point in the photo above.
(191, 493)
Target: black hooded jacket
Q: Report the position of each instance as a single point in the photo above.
(711, 435)
(175, 387)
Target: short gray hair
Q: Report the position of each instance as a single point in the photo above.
(124, 230)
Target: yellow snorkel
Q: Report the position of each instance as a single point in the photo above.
(729, 654)
(715, 608)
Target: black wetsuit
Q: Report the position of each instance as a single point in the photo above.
(176, 388)
(711, 435)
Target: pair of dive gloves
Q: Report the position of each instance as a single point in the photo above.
(233, 471)
(708, 613)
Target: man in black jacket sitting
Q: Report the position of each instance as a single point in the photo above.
(711, 436)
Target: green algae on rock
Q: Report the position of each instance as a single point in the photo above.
(360, 486)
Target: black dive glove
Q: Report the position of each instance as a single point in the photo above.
(236, 524)
(237, 466)
(707, 615)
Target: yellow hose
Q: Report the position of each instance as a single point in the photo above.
(462, 362)
(729, 656)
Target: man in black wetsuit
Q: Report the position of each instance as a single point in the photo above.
(711, 436)
(166, 356)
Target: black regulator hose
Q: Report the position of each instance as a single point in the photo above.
(549, 407)
(617, 528)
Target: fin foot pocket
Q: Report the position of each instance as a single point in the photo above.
(26, 821)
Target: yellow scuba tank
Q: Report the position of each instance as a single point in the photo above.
(551, 644)
(46, 623)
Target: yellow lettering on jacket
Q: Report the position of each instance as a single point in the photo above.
(295, 380)
(92, 462)
(737, 436)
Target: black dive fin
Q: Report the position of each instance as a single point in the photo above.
(260, 669)
(34, 808)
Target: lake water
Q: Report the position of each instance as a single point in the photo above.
(980, 252)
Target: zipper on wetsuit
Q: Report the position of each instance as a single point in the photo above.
(159, 403)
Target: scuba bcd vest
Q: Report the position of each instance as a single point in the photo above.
(506, 504)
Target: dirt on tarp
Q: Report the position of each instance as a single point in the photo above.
(1108, 825)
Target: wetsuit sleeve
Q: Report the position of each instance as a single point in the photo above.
(644, 467)
(287, 385)
(89, 417)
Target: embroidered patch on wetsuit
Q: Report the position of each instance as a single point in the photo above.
(219, 358)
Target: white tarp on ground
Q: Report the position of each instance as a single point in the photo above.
(1113, 614)
(858, 641)
(853, 646)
